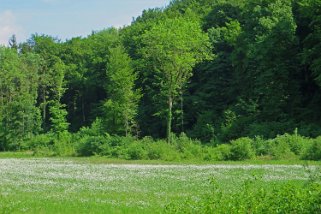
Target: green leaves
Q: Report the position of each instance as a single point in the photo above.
(19, 117)
(58, 115)
(122, 104)
(173, 47)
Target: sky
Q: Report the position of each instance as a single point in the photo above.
(65, 19)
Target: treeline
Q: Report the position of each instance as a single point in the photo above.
(215, 70)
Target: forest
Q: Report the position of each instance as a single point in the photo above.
(209, 79)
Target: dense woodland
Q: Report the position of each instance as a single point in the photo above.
(216, 70)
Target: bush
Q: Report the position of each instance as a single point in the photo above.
(161, 150)
(91, 141)
(241, 149)
(96, 129)
(280, 150)
(64, 144)
(288, 146)
(314, 151)
(91, 145)
(51, 144)
(219, 153)
(155, 150)
(137, 151)
(40, 141)
(119, 146)
(260, 146)
(167, 152)
(188, 148)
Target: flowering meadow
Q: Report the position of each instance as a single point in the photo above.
(41, 185)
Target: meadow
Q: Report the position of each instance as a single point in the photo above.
(62, 185)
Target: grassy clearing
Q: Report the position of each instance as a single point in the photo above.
(81, 186)
(107, 160)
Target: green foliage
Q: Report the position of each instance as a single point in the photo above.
(19, 118)
(241, 149)
(136, 151)
(91, 145)
(263, 81)
(121, 107)
(219, 153)
(52, 145)
(64, 145)
(314, 151)
(260, 146)
(204, 129)
(270, 129)
(255, 198)
(309, 11)
(58, 118)
(173, 47)
(94, 141)
(160, 150)
(42, 145)
(91, 140)
(187, 148)
(286, 146)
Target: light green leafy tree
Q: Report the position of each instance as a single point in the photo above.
(19, 116)
(57, 110)
(173, 47)
(122, 104)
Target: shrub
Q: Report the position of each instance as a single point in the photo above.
(219, 153)
(137, 151)
(119, 146)
(51, 144)
(96, 129)
(280, 150)
(260, 146)
(42, 145)
(64, 144)
(314, 151)
(154, 149)
(188, 148)
(40, 141)
(288, 146)
(92, 140)
(91, 145)
(241, 149)
(161, 150)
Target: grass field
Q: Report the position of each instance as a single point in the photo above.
(31, 185)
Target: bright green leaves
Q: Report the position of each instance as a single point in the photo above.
(51, 76)
(173, 47)
(19, 118)
(58, 118)
(122, 105)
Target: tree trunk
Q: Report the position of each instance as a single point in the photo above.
(169, 119)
